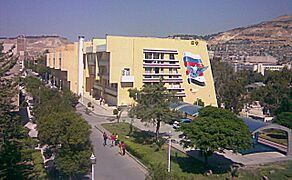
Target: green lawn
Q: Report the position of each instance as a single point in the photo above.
(141, 145)
(275, 136)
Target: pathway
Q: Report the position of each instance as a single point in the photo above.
(110, 165)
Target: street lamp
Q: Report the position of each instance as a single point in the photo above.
(93, 161)
(169, 151)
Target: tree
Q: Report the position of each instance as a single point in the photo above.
(215, 129)
(153, 104)
(70, 134)
(15, 163)
(284, 119)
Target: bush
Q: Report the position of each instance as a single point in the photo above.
(89, 104)
(115, 112)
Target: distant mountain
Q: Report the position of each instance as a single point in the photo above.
(33, 46)
(278, 31)
(269, 38)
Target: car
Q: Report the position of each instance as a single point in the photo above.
(177, 124)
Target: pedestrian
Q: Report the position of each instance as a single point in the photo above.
(113, 138)
(104, 138)
(100, 100)
(116, 139)
(123, 147)
(103, 101)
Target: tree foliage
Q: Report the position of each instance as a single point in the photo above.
(284, 119)
(16, 160)
(215, 129)
(153, 104)
(61, 128)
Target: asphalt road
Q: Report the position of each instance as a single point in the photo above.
(110, 165)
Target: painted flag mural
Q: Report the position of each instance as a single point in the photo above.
(194, 69)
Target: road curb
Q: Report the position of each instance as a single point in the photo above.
(127, 152)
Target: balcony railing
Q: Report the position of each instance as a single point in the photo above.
(127, 78)
(161, 65)
(164, 80)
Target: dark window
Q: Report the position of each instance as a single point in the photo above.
(171, 56)
(155, 55)
(156, 70)
(148, 55)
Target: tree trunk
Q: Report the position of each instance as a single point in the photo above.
(157, 129)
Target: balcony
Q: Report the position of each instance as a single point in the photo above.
(175, 87)
(125, 79)
(169, 80)
(161, 74)
(162, 60)
(161, 65)
(180, 94)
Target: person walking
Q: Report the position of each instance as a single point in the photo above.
(113, 139)
(116, 139)
(123, 147)
(104, 138)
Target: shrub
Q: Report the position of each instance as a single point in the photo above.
(89, 104)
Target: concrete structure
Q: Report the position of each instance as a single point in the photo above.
(116, 64)
(256, 127)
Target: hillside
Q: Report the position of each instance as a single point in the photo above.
(267, 38)
(34, 45)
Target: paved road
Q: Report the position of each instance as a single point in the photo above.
(110, 165)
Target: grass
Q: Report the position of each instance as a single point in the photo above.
(141, 144)
(275, 136)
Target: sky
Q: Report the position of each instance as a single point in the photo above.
(96, 18)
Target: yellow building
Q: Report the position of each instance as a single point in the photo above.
(108, 68)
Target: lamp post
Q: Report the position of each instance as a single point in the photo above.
(169, 151)
(93, 161)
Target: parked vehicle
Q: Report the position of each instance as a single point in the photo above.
(177, 124)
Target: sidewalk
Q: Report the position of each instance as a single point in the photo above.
(100, 110)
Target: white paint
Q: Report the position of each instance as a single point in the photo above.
(80, 67)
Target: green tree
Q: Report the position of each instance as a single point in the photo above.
(70, 133)
(215, 129)
(153, 104)
(284, 119)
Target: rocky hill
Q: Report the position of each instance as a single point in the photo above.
(267, 38)
(34, 46)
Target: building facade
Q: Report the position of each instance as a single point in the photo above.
(116, 64)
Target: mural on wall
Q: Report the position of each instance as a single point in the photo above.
(194, 69)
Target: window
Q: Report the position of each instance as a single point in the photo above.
(161, 70)
(156, 70)
(148, 70)
(148, 55)
(155, 55)
(148, 62)
(171, 56)
(161, 56)
(126, 72)
(147, 76)
(171, 62)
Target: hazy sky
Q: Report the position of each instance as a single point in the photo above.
(95, 18)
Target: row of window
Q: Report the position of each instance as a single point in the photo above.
(170, 77)
(154, 55)
(160, 70)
